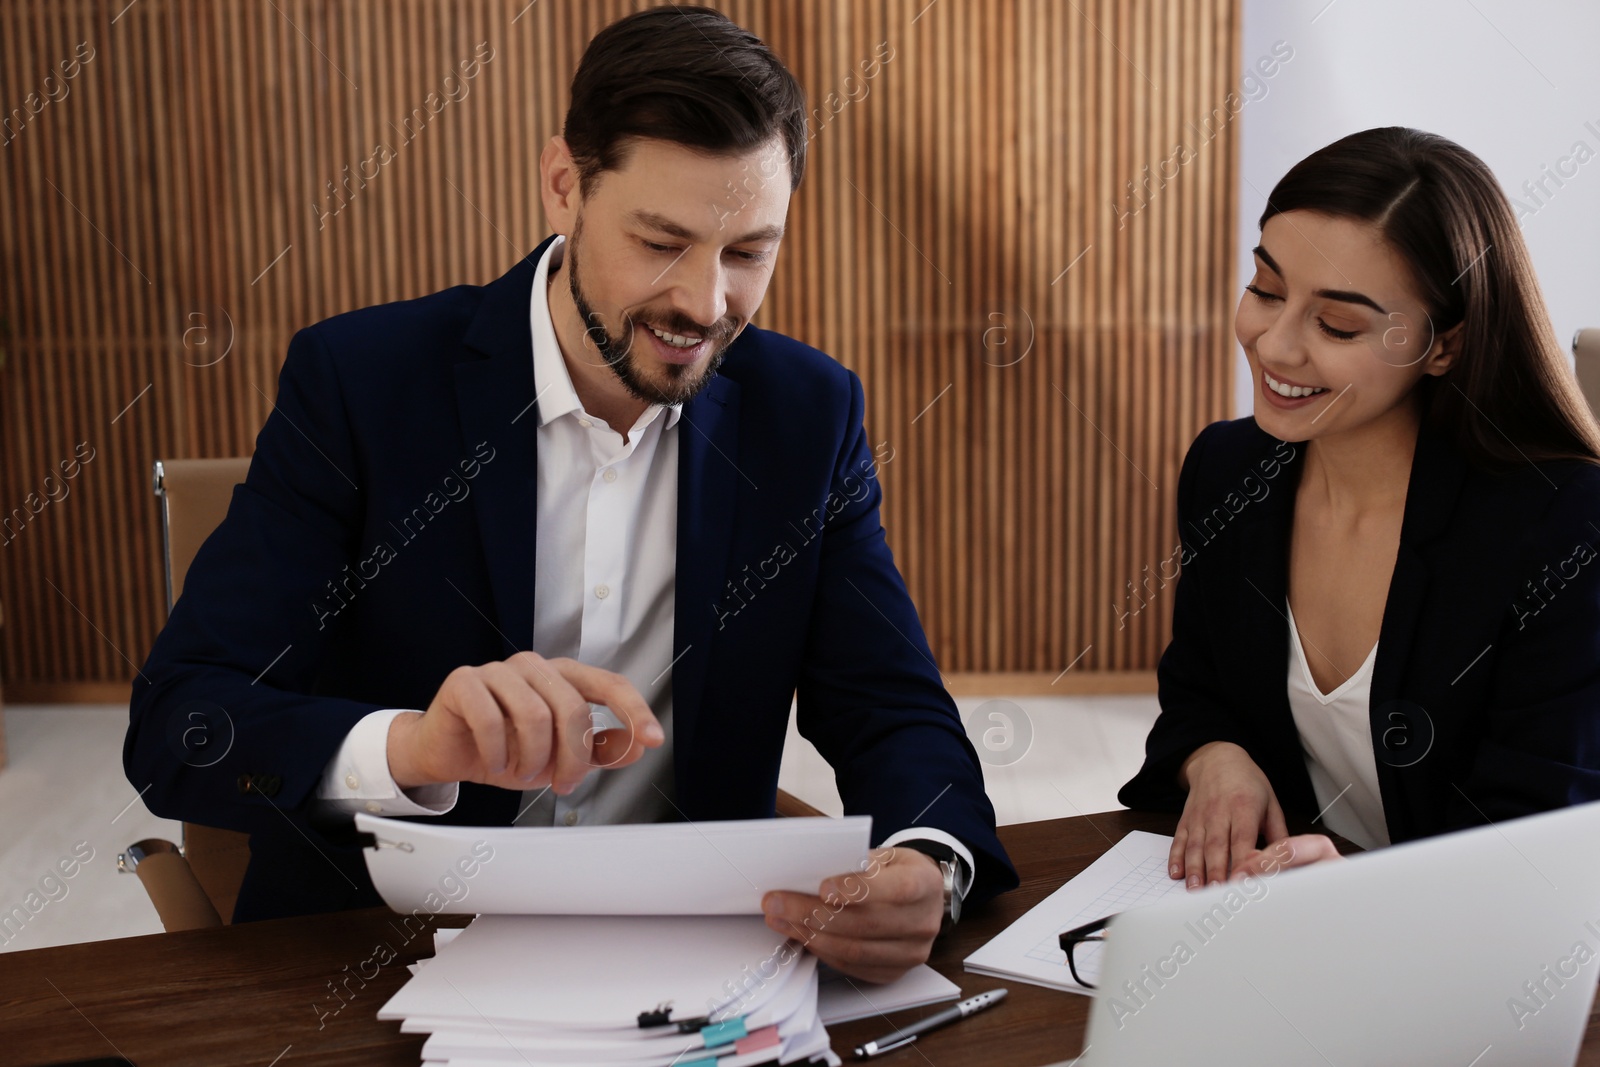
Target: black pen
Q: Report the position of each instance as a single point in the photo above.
(903, 1037)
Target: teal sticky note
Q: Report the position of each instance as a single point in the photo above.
(722, 1033)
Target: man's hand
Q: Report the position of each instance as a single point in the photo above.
(522, 723)
(874, 924)
(1230, 805)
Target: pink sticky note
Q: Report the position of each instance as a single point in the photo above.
(766, 1037)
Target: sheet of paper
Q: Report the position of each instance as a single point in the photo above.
(841, 999)
(1133, 872)
(441, 937)
(704, 868)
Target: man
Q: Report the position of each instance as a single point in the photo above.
(589, 483)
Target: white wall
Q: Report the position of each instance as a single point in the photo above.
(1513, 82)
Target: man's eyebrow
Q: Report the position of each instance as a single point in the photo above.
(1345, 295)
(662, 224)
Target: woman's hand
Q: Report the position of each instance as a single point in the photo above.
(1230, 805)
(1297, 851)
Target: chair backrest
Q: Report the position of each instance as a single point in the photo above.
(1586, 358)
(194, 498)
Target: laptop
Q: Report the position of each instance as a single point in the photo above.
(1472, 949)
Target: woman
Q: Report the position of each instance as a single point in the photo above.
(1389, 610)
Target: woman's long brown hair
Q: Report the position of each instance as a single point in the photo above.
(1511, 396)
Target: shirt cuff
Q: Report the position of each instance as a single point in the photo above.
(357, 779)
(927, 833)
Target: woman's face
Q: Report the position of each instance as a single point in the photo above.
(1335, 333)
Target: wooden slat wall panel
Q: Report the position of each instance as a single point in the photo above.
(176, 213)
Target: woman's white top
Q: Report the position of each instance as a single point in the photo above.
(1336, 734)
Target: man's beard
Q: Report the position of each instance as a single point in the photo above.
(684, 381)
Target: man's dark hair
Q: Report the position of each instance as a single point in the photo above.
(688, 75)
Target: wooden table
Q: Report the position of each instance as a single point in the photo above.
(264, 993)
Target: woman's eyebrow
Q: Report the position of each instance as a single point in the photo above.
(1344, 295)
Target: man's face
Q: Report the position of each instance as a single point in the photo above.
(670, 256)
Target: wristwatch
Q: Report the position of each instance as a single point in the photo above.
(949, 866)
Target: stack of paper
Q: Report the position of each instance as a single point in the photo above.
(838, 999)
(581, 933)
(565, 990)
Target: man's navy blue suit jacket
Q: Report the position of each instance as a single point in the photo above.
(1485, 700)
(385, 536)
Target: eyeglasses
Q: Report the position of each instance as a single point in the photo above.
(1071, 939)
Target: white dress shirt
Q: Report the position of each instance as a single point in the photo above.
(1336, 734)
(605, 564)
(604, 595)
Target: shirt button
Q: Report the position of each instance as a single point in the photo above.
(374, 807)
(351, 781)
(585, 423)
(610, 475)
(571, 818)
(602, 591)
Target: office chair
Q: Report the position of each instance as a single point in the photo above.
(195, 885)
(1586, 360)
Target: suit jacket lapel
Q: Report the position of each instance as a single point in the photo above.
(496, 402)
(708, 486)
(1263, 605)
(1434, 488)
(1402, 733)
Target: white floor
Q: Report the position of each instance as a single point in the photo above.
(66, 800)
(1043, 757)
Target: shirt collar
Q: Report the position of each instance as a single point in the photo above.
(552, 384)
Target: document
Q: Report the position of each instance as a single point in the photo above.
(1132, 873)
(556, 990)
(701, 868)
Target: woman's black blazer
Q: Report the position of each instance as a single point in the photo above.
(1485, 701)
